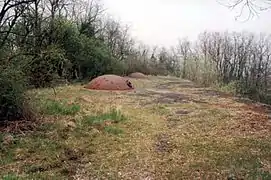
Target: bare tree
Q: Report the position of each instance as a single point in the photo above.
(254, 7)
(184, 49)
(9, 14)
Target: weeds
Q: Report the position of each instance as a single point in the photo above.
(10, 177)
(1, 138)
(60, 108)
(160, 109)
(113, 116)
(228, 88)
(105, 121)
(113, 130)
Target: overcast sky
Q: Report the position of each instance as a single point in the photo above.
(162, 22)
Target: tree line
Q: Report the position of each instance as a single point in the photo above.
(239, 58)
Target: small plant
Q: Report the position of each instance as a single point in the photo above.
(228, 88)
(60, 108)
(1, 140)
(113, 116)
(160, 109)
(105, 121)
(10, 177)
(1, 137)
(113, 130)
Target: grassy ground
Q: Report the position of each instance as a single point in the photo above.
(167, 129)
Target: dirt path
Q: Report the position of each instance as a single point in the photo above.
(206, 132)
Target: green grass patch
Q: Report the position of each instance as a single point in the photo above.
(160, 109)
(7, 151)
(227, 88)
(10, 177)
(52, 107)
(43, 148)
(1, 138)
(7, 156)
(113, 130)
(113, 116)
(259, 174)
(104, 121)
(243, 157)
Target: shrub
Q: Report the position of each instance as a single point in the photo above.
(44, 67)
(13, 104)
(231, 87)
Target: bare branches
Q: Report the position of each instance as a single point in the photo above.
(9, 4)
(241, 58)
(254, 7)
(9, 14)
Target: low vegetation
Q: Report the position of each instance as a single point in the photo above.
(51, 43)
(132, 136)
(112, 116)
(53, 107)
(51, 128)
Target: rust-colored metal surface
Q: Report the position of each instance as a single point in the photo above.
(138, 75)
(110, 82)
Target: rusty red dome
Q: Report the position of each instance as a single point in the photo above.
(137, 75)
(110, 82)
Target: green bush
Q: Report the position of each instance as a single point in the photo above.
(43, 68)
(12, 94)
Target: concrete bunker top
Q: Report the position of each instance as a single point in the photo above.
(110, 82)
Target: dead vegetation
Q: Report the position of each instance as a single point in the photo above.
(87, 134)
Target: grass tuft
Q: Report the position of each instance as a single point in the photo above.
(10, 177)
(105, 121)
(113, 116)
(60, 108)
(227, 88)
(1, 137)
(113, 130)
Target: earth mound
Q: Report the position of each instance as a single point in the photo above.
(138, 75)
(110, 82)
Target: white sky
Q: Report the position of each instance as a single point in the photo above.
(162, 22)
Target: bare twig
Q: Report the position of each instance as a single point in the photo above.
(253, 6)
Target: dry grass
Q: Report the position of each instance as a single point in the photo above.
(216, 139)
